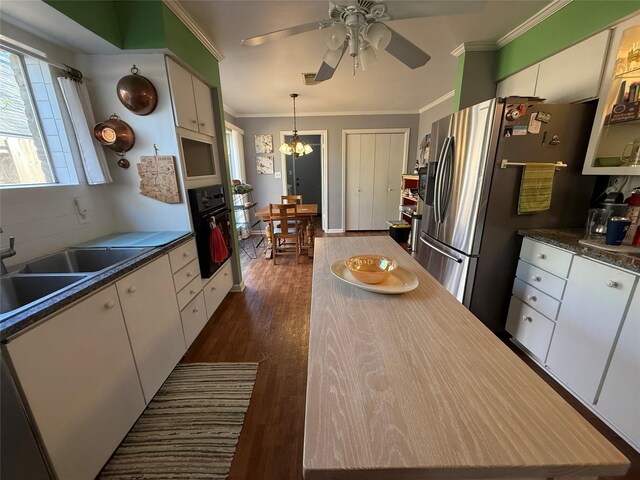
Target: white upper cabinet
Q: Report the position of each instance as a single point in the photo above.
(619, 399)
(521, 84)
(204, 107)
(594, 303)
(573, 74)
(191, 100)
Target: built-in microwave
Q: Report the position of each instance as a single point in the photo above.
(199, 157)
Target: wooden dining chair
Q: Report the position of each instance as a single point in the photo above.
(297, 199)
(283, 218)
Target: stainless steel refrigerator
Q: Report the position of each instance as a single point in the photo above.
(469, 239)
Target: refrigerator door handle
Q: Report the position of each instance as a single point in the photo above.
(438, 182)
(440, 251)
(447, 178)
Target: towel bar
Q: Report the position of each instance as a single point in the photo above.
(506, 163)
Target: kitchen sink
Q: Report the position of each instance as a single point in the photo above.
(19, 290)
(81, 260)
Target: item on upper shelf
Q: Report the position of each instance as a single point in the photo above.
(621, 90)
(242, 188)
(617, 229)
(624, 112)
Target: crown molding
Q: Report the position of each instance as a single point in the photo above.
(473, 47)
(229, 110)
(324, 114)
(188, 21)
(528, 24)
(437, 101)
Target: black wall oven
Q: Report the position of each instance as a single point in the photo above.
(209, 210)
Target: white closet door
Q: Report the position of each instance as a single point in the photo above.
(395, 168)
(351, 183)
(365, 184)
(381, 182)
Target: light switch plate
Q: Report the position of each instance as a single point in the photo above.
(278, 174)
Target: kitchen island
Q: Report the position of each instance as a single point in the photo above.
(414, 386)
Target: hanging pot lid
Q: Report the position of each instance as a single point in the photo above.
(137, 93)
(115, 134)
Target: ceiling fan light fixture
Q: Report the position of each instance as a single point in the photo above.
(335, 37)
(332, 57)
(367, 57)
(378, 35)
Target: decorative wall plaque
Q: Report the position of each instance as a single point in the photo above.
(158, 179)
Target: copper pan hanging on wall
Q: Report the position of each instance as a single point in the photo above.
(137, 93)
(115, 134)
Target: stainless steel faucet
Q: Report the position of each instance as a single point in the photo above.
(6, 253)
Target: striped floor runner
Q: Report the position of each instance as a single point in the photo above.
(191, 427)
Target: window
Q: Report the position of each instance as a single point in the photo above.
(34, 146)
(236, 153)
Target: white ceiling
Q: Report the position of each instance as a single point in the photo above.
(258, 80)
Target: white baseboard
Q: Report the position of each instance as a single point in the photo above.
(334, 230)
(238, 287)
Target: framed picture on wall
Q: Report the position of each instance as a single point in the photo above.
(264, 143)
(264, 165)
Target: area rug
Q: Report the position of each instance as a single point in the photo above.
(191, 427)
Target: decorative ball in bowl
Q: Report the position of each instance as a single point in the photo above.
(370, 268)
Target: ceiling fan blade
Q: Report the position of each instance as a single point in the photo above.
(326, 70)
(399, 10)
(286, 32)
(405, 51)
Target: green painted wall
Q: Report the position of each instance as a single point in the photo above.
(458, 87)
(99, 16)
(577, 21)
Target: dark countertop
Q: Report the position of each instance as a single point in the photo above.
(568, 238)
(11, 325)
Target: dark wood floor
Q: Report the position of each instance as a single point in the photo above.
(270, 321)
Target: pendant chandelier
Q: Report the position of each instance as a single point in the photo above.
(295, 146)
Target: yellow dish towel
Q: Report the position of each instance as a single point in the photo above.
(535, 188)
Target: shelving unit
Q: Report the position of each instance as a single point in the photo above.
(243, 205)
(409, 202)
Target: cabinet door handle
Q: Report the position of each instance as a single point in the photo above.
(527, 318)
(226, 274)
(194, 121)
(189, 274)
(533, 298)
(185, 254)
(613, 284)
(110, 304)
(213, 289)
(196, 310)
(131, 289)
(202, 124)
(536, 278)
(389, 189)
(541, 256)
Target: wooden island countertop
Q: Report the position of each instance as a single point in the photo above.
(414, 386)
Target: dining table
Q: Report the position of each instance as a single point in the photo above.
(306, 212)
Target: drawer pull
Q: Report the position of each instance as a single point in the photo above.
(613, 284)
(188, 274)
(527, 318)
(202, 124)
(541, 256)
(196, 310)
(110, 304)
(194, 121)
(192, 292)
(536, 278)
(185, 254)
(213, 289)
(131, 289)
(533, 298)
(226, 274)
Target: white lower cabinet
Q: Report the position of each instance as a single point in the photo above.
(530, 328)
(194, 317)
(151, 313)
(217, 288)
(594, 303)
(619, 399)
(80, 383)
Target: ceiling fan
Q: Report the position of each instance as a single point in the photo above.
(358, 26)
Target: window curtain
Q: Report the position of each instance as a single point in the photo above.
(94, 160)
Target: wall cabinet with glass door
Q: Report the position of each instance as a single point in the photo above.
(614, 147)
